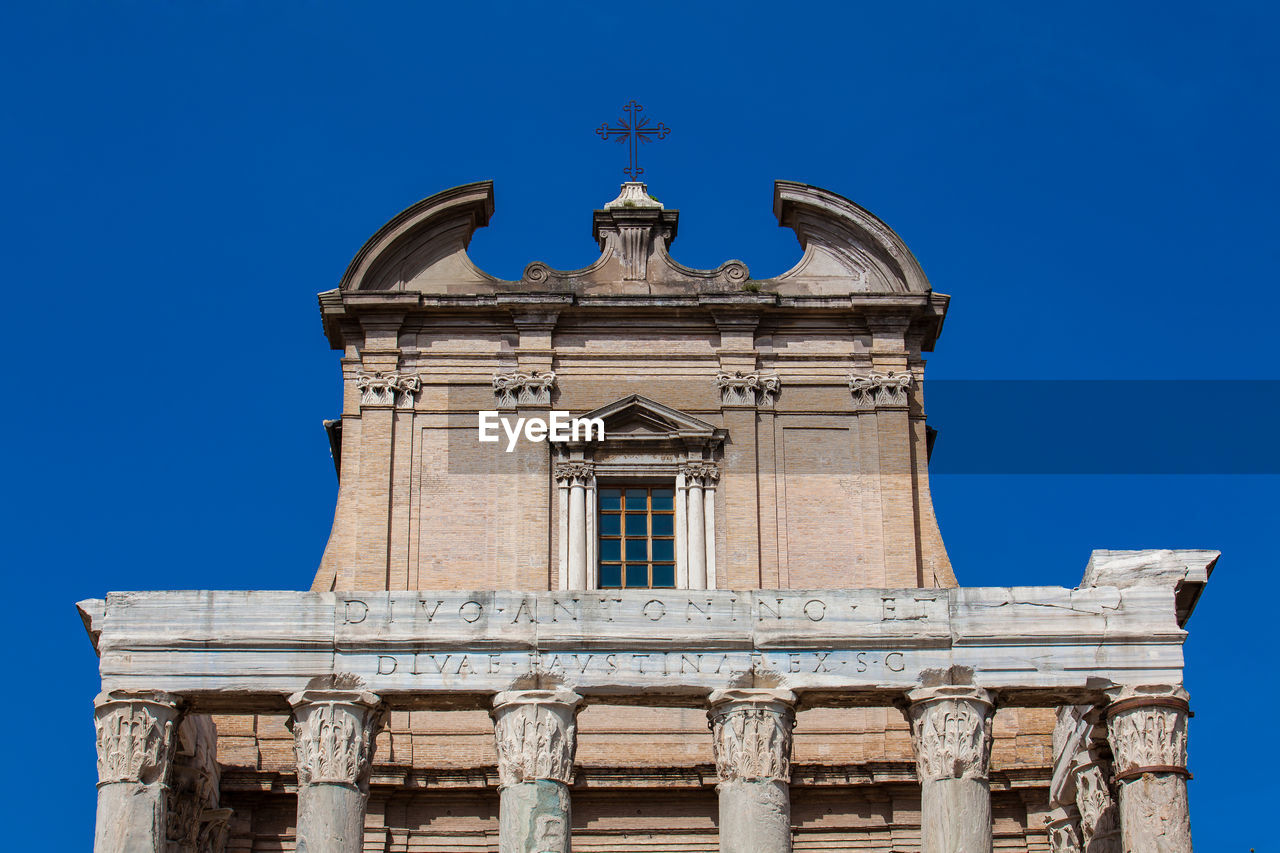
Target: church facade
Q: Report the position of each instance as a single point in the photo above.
(640, 557)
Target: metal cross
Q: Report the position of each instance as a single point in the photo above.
(635, 128)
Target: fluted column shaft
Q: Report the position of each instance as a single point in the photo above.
(575, 478)
(536, 735)
(1147, 729)
(951, 734)
(751, 738)
(136, 736)
(334, 732)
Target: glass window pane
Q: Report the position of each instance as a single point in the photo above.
(638, 575)
(664, 549)
(637, 549)
(662, 498)
(637, 525)
(664, 525)
(664, 575)
(637, 500)
(610, 524)
(611, 576)
(611, 498)
(611, 549)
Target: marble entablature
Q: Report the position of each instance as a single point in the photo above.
(1031, 642)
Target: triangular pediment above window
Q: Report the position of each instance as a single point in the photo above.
(637, 418)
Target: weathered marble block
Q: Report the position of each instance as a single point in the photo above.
(1034, 644)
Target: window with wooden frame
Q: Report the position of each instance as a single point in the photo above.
(637, 537)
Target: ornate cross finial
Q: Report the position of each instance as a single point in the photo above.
(635, 129)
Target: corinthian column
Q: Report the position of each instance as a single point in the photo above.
(136, 734)
(1147, 728)
(333, 738)
(951, 735)
(536, 735)
(575, 477)
(751, 738)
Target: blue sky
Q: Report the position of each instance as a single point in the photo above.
(1094, 184)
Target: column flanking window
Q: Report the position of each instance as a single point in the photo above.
(637, 537)
(636, 509)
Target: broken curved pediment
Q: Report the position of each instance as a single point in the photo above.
(847, 250)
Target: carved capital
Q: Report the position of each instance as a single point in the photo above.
(751, 734)
(1099, 819)
(333, 736)
(523, 389)
(388, 389)
(571, 474)
(136, 736)
(536, 734)
(951, 732)
(880, 391)
(747, 389)
(214, 829)
(702, 474)
(1063, 827)
(1147, 728)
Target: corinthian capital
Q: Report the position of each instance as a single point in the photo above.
(1099, 819)
(333, 735)
(880, 391)
(702, 474)
(951, 732)
(747, 389)
(136, 736)
(388, 389)
(536, 734)
(1147, 728)
(751, 734)
(574, 473)
(1062, 826)
(523, 389)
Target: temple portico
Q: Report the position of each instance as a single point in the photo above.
(948, 658)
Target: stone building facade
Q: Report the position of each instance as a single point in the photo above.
(730, 623)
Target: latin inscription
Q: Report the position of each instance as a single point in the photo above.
(689, 610)
(596, 665)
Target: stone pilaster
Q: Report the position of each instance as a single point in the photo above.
(333, 737)
(1063, 828)
(136, 737)
(1099, 818)
(193, 789)
(751, 739)
(1147, 728)
(521, 388)
(388, 389)
(536, 735)
(951, 735)
(739, 389)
